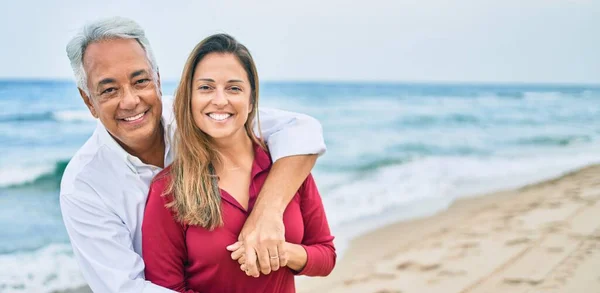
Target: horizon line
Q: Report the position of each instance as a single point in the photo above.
(349, 81)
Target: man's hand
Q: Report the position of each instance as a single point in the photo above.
(261, 244)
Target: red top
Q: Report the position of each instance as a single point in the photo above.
(193, 259)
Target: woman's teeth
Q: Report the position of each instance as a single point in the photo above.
(219, 117)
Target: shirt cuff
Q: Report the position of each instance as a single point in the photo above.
(286, 143)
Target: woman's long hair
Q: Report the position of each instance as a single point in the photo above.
(196, 197)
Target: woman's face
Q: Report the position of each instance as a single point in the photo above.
(221, 96)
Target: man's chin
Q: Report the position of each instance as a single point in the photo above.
(137, 134)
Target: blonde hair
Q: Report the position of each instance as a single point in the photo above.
(196, 197)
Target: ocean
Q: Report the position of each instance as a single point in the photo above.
(392, 149)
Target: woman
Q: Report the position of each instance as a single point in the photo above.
(198, 205)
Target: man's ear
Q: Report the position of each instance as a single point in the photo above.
(88, 102)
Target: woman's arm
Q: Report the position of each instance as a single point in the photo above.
(318, 257)
(297, 256)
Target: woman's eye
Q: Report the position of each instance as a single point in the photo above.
(235, 89)
(203, 87)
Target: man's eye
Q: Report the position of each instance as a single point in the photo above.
(142, 81)
(108, 91)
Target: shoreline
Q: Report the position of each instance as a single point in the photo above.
(521, 240)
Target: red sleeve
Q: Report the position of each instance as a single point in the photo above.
(163, 241)
(317, 240)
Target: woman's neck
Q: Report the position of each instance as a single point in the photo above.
(234, 152)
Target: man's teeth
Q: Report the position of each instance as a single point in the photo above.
(136, 117)
(219, 117)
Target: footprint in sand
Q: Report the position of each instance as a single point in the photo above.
(530, 282)
(555, 249)
(451, 273)
(517, 241)
(421, 267)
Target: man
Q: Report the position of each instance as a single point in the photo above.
(104, 187)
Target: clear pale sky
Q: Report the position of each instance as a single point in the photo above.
(554, 41)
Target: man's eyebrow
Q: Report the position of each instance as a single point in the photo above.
(138, 73)
(105, 81)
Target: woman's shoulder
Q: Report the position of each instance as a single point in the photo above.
(160, 182)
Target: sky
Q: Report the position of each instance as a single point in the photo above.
(499, 41)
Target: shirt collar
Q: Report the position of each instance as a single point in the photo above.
(107, 140)
(262, 161)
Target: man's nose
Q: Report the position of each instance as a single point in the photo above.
(130, 99)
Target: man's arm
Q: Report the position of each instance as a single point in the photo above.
(294, 141)
(289, 133)
(102, 244)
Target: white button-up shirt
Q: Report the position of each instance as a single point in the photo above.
(104, 189)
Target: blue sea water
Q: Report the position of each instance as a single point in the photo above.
(389, 146)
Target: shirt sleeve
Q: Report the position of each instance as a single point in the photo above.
(289, 134)
(317, 241)
(163, 242)
(102, 244)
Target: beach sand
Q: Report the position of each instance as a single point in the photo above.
(540, 238)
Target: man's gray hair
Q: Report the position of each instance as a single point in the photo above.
(104, 29)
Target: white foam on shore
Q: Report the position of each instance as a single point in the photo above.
(46, 270)
(426, 186)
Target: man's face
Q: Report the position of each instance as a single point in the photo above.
(123, 92)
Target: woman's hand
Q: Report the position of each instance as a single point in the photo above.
(238, 253)
(296, 254)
